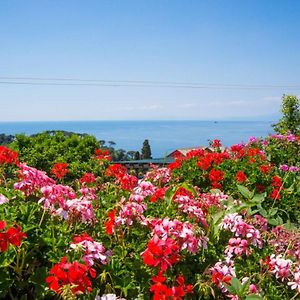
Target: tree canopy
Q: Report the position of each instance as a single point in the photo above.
(290, 120)
(146, 150)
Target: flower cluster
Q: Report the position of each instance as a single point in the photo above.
(222, 273)
(87, 178)
(31, 180)
(158, 175)
(286, 168)
(285, 270)
(93, 251)
(55, 196)
(102, 154)
(8, 156)
(285, 241)
(182, 232)
(119, 172)
(210, 159)
(188, 205)
(61, 200)
(235, 223)
(161, 253)
(159, 194)
(245, 234)
(284, 263)
(240, 177)
(279, 266)
(129, 211)
(134, 208)
(12, 235)
(59, 170)
(238, 247)
(197, 207)
(161, 291)
(78, 209)
(75, 275)
(295, 282)
(287, 137)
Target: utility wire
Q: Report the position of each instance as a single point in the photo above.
(133, 83)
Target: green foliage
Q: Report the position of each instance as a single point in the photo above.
(43, 150)
(281, 151)
(290, 120)
(137, 155)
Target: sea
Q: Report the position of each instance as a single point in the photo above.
(164, 136)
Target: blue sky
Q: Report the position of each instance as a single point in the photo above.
(251, 42)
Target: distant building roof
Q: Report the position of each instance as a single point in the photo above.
(154, 161)
(184, 151)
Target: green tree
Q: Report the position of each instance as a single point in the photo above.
(137, 155)
(146, 150)
(290, 120)
(119, 154)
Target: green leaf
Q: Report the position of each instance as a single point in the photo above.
(236, 284)
(230, 289)
(279, 220)
(290, 226)
(273, 222)
(273, 211)
(263, 212)
(253, 297)
(259, 198)
(253, 212)
(245, 191)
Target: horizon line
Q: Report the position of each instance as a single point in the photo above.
(142, 120)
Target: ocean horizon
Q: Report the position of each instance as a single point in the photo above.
(164, 135)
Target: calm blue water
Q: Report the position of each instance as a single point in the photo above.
(164, 136)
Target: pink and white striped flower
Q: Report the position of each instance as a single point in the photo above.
(93, 251)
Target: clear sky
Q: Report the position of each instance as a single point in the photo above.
(249, 42)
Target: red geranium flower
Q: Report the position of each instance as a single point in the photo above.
(13, 236)
(109, 225)
(216, 175)
(8, 156)
(102, 154)
(74, 274)
(161, 253)
(2, 225)
(276, 181)
(240, 176)
(59, 170)
(265, 168)
(83, 237)
(216, 143)
(116, 171)
(275, 195)
(159, 194)
(88, 178)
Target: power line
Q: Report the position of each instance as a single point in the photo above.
(133, 83)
